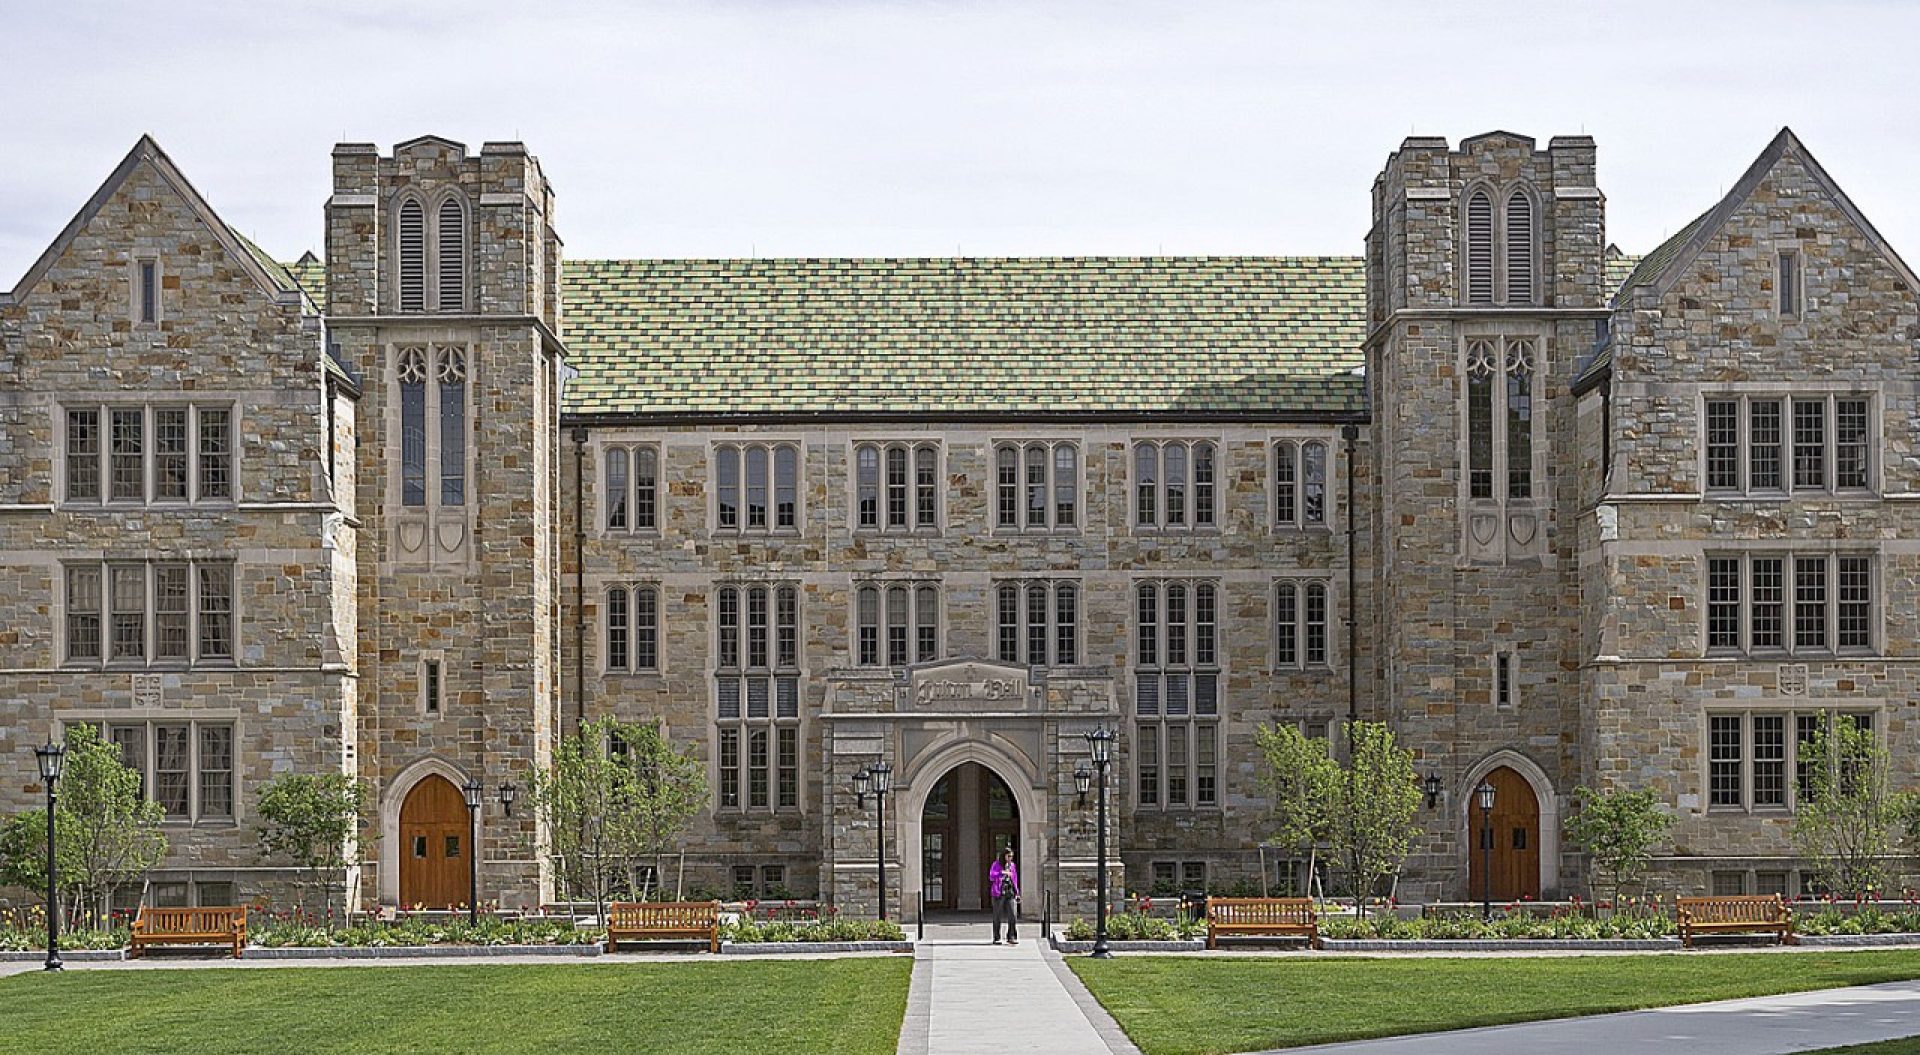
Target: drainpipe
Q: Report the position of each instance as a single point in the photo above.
(1351, 434)
(580, 577)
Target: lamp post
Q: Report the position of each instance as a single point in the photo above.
(52, 758)
(1082, 780)
(1432, 788)
(508, 792)
(1100, 741)
(1485, 794)
(472, 790)
(877, 780)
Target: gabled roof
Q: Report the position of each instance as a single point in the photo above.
(1663, 267)
(273, 278)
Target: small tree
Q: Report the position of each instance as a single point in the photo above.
(1619, 830)
(1375, 805)
(1847, 810)
(107, 834)
(659, 790)
(312, 819)
(1303, 782)
(573, 799)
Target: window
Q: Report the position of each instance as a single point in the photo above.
(896, 486)
(1750, 755)
(443, 251)
(633, 628)
(1510, 276)
(1729, 884)
(897, 623)
(758, 487)
(1300, 483)
(1747, 452)
(451, 254)
(1787, 283)
(185, 766)
(630, 486)
(1037, 622)
(1830, 607)
(1500, 451)
(1038, 485)
(1300, 617)
(157, 454)
(160, 613)
(1177, 681)
(1479, 247)
(413, 256)
(147, 297)
(1519, 231)
(757, 695)
(1503, 681)
(432, 687)
(443, 403)
(1174, 484)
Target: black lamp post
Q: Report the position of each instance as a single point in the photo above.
(52, 758)
(877, 780)
(472, 790)
(1101, 742)
(1432, 788)
(1485, 794)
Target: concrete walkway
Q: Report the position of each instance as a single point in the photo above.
(1767, 1025)
(970, 997)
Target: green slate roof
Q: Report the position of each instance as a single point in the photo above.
(310, 275)
(971, 336)
(1655, 263)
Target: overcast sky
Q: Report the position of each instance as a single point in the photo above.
(863, 127)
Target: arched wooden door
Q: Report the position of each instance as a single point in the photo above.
(1514, 830)
(433, 845)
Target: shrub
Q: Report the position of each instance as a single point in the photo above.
(746, 929)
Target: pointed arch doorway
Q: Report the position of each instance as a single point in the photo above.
(1513, 826)
(433, 845)
(970, 815)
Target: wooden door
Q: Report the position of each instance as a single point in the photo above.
(1514, 829)
(433, 846)
(936, 844)
(999, 824)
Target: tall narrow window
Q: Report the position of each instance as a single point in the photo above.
(1479, 248)
(413, 256)
(1037, 486)
(216, 771)
(453, 427)
(1316, 644)
(617, 484)
(926, 614)
(1855, 607)
(1146, 483)
(926, 507)
(83, 613)
(867, 486)
(1066, 462)
(786, 487)
(1520, 419)
(413, 427)
(430, 687)
(1176, 691)
(172, 612)
(768, 683)
(756, 459)
(1723, 444)
(216, 611)
(1850, 444)
(1503, 681)
(1787, 283)
(1809, 443)
(1726, 750)
(1007, 622)
(216, 453)
(1723, 603)
(126, 462)
(1007, 459)
(128, 596)
(727, 486)
(1769, 760)
(1313, 483)
(149, 291)
(1764, 439)
(1302, 616)
(452, 251)
(170, 456)
(1480, 370)
(83, 455)
(1203, 484)
(896, 487)
(1286, 485)
(1810, 603)
(1519, 248)
(898, 601)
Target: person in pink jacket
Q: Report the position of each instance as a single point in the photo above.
(1003, 885)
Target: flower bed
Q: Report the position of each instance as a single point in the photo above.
(1517, 926)
(1870, 919)
(27, 939)
(823, 931)
(1137, 926)
(417, 932)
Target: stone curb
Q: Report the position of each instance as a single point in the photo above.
(398, 952)
(66, 955)
(1858, 941)
(1500, 944)
(1065, 946)
(788, 948)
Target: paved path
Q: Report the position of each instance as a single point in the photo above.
(1768, 1025)
(970, 996)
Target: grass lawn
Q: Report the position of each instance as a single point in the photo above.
(1909, 1046)
(1188, 1006)
(851, 1006)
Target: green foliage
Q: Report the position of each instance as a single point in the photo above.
(417, 931)
(1504, 926)
(1869, 919)
(1302, 781)
(34, 939)
(1374, 806)
(107, 835)
(1138, 926)
(745, 929)
(1619, 830)
(312, 819)
(1847, 812)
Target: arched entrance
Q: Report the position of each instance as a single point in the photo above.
(970, 815)
(433, 845)
(1513, 826)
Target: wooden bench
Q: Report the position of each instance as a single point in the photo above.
(1287, 917)
(634, 920)
(1734, 915)
(189, 926)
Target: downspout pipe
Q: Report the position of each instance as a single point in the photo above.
(579, 577)
(1351, 434)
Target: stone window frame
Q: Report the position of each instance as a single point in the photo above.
(1504, 667)
(439, 362)
(137, 290)
(917, 493)
(147, 726)
(1147, 500)
(1714, 602)
(1292, 640)
(640, 637)
(1504, 344)
(198, 459)
(435, 243)
(1786, 397)
(632, 492)
(1197, 734)
(1790, 283)
(1020, 489)
(103, 610)
(740, 450)
(1024, 589)
(1792, 717)
(882, 622)
(1501, 197)
(1288, 452)
(783, 725)
(432, 682)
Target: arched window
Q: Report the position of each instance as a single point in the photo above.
(452, 256)
(452, 369)
(413, 256)
(1479, 248)
(1519, 234)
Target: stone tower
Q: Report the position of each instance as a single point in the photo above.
(443, 283)
(1484, 287)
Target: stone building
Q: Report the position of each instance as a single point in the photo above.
(412, 511)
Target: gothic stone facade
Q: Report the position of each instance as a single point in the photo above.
(412, 511)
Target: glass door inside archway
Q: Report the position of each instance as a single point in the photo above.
(936, 845)
(999, 819)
